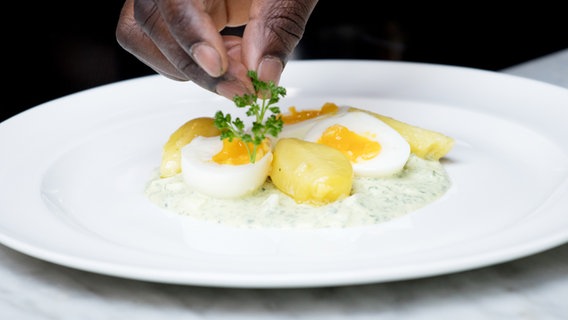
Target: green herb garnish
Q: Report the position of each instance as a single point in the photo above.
(259, 104)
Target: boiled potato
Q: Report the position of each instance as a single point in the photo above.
(309, 172)
(424, 143)
(171, 154)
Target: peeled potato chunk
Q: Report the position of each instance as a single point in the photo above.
(309, 172)
(424, 143)
(171, 154)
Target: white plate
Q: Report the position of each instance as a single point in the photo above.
(73, 170)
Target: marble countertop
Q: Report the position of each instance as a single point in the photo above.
(535, 287)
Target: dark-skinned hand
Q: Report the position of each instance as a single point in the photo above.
(182, 39)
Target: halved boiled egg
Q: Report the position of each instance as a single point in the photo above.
(373, 147)
(222, 168)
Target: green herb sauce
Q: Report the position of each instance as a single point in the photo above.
(373, 200)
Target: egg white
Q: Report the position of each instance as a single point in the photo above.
(204, 175)
(395, 150)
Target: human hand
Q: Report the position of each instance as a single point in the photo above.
(181, 39)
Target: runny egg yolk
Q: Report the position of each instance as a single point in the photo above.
(236, 152)
(354, 146)
(295, 116)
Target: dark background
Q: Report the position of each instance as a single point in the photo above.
(55, 49)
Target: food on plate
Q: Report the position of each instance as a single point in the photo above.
(310, 172)
(238, 161)
(221, 168)
(373, 148)
(424, 143)
(171, 153)
(427, 144)
(328, 166)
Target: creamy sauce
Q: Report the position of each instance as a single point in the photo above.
(372, 201)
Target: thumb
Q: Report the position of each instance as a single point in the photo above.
(274, 30)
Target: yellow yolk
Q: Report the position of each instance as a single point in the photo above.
(295, 116)
(353, 145)
(236, 153)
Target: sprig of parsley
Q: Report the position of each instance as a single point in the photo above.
(261, 106)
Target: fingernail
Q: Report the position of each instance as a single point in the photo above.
(207, 58)
(270, 69)
(230, 89)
